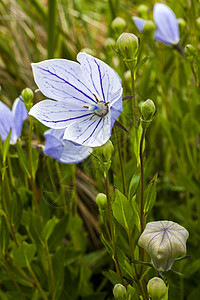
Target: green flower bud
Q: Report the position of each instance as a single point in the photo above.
(181, 23)
(164, 241)
(27, 95)
(119, 292)
(190, 52)
(101, 201)
(149, 29)
(198, 22)
(109, 45)
(127, 45)
(104, 154)
(143, 11)
(147, 110)
(157, 289)
(118, 25)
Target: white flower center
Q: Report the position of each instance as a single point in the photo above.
(100, 109)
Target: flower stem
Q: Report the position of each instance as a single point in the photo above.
(112, 228)
(142, 216)
(50, 268)
(134, 102)
(37, 282)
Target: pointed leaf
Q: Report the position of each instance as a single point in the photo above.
(24, 255)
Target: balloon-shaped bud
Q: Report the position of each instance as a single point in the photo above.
(118, 25)
(127, 45)
(157, 289)
(104, 155)
(101, 201)
(164, 241)
(149, 29)
(147, 110)
(198, 22)
(143, 11)
(190, 52)
(119, 292)
(181, 23)
(27, 95)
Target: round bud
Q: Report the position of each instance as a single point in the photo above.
(101, 200)
(148, 109)
(27, 95)
(189, 52)
(127, 45)
(149, 29)
(198, 22)
(119, 292)
(104, 155)
(142, 11)
(181, 23)
(156, 288)
(109, 45)
(118, 25)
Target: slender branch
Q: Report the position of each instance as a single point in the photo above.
(142, 216)
(134, 103)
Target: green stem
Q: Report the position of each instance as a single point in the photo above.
(142, 216)
(50, 268)
(112, 228)
(37, 282)
(134, 102)
(51, 28)
(120, 161)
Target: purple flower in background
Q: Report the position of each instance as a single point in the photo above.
(12, 120)
(62, 150)
(167, 25)
(88, 98)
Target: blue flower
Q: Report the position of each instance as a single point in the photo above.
(167, 25)
(62, 150)
(12, 120)
(88, 98)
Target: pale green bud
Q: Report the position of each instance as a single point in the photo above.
(127, 45)
(149, 29)
(109, 45)
(119, 292)
(190, 52)
(104, 154)
(101, 201)
(164, 241)
(118, 25)
(157, 289)
(147, 110)
(27, 95)
(142, 11)
(198, 22)
(181, 23)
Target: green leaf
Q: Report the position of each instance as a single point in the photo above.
(142, 62)
(35, 159)
(58, 233)
(5, 149)
(4, 236)
(134, 183)
(123, 211)
(58, 271)
(22, 160)
(15, 211)
(150, 195)
(24, 255)
(112, 276)
(48, 228)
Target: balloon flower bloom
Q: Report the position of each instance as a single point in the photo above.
(164, 241)
(12, 120)
(87, 98)
(167, 30)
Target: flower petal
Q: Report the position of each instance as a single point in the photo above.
(20, 115)
(102, 80)
(6, 123)
(58, 114)
(92, 133)
(139, 23)
(62, 80)
(166, 21)
(62, 150)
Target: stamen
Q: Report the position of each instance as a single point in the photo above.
(86, 106)
(92, 117)
(96, 98)
(103, 116)
(106, 104)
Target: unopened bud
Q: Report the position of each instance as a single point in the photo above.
(198, 22)
(147, 110)
(127, 45)
(190, 52)
(119, 292)
(181, 23)
(157, 289)
(109, 45)
(143, 11)
(27, 95)
(149, 29)
(101, 200)
(104, 154)
(118, 25)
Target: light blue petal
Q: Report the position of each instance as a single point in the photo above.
(20, 115)
(167, 24)
(139, 23)
(59, 114)
(6, 123)
(102, 80)
(62, 150)
(62, 80)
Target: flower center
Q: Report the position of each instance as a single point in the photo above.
(99, 109)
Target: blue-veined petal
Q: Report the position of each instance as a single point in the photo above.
(59, 114)
(62, 80)
(93, 133)
(20, 115)
(167, 24)
(6, 123)
(102, 80)
(63, 150)
(139, 23)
